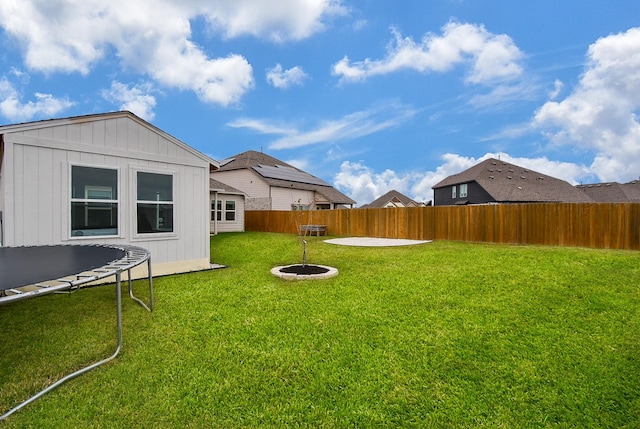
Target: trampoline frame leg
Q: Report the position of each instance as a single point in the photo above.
(138, 300)
(94, 365)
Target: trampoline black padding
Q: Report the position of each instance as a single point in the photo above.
(23, 266)
(30, 271)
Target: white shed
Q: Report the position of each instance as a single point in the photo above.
(108, 178)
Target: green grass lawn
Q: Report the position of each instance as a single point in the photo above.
(443, 334)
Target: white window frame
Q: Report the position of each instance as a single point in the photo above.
(86, 200)
(134, 205)
(227, 212)
(463, 190)
(219, 212)
(453, 192)
(215, 210)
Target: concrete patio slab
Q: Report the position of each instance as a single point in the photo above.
(374, 242)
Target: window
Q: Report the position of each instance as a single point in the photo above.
(229, 211)
(453, 191)
(94, 201)
(216, 211)
(154, 203)
(463, 190)
(296, 207)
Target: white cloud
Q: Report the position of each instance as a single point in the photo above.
(261, 127)
(283, 79)
(222, 80)
(360, 24)
(508, 133)
(502, 96)
(557, 88)
(600, 114)
(279, 21)
(19, 75)
(136, 99)
(14, 109)
(302, 164)
(491, 57)
(349, 127)
(153, 37)
(364, 185)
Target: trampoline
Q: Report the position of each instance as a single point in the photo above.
(27, 272)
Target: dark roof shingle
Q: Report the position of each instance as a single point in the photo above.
(613, 192)
(507, 182)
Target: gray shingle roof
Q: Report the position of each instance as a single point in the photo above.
(391, 196)
(613, 192)
(280, 174)
(507, 182)
(250, 158)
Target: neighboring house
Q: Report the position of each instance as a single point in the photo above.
(227, 208)
(109, 178)
(271, 184)
(613, 192)
(393, 198)
(496, 181)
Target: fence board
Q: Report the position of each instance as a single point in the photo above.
(597, 225)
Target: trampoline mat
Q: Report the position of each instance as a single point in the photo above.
(22, 266)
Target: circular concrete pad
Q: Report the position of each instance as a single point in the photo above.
(374, 242)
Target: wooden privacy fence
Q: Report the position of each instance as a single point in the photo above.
(596, 225)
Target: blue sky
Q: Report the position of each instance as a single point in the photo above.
(370, 95)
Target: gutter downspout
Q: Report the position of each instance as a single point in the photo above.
(215, 213)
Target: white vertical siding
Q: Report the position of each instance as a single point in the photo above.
(36, 173)
(45, 196)
(224, 225)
